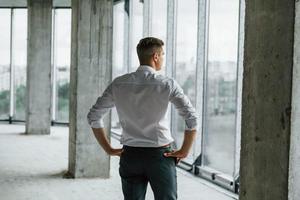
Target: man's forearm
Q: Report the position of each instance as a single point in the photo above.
(102, 139)
(189, 137)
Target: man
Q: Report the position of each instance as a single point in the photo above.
(141, 99)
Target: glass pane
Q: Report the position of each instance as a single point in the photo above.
(62, 53)
(136, 32)
(220, 97)
(19, 58)
(118, 39)
(159, 23)
(4, 62)
(186, 53)
(118, 52)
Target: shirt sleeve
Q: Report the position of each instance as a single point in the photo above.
(103, 104)
(183, 105)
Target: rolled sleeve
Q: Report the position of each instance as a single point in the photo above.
(103, 104)
(184, 106)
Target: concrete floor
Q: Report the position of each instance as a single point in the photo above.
(31, 168)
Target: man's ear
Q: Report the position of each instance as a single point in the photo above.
(155, 56)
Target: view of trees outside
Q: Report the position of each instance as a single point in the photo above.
(4, 62)
(19, 61)
(61, 62)
(221, 83)
(13, 48)
(16, 32)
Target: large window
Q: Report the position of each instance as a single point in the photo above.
(19, 59)
(136, 31)
(178, 18)
(186, 57)
(119, 64)
(5, 27)
(159, 23)
(61, 63)
(13, 57)
(201, 40)
(221, 83)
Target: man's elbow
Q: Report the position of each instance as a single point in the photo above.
(191, 124)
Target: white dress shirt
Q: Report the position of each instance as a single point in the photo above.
(141, 99)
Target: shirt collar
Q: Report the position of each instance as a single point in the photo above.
(146, 68)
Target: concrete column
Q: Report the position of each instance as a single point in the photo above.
(38, 116)
(126, 36)
(266, 102)
(91, 72)
(294, 172)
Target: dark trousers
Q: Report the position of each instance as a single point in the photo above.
(140, 165)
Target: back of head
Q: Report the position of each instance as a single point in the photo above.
(147, 47)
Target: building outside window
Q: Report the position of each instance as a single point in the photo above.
(221, 87)
(186, 57)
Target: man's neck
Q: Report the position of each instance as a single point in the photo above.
(150, 65)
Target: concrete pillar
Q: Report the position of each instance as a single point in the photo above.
(294, 173)
(91, 72)
(38, 116)
(266, 102)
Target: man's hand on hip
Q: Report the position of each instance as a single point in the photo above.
(103, 141)
(189, 137)
(115, 152)
(178, 154)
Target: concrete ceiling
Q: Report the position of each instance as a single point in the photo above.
(23, 3)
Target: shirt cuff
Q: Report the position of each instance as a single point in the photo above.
(97, 124)
(190, 124)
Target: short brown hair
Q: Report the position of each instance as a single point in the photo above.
(147, 47)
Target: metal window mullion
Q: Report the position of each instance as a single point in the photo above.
(205, 66)
(240, 59)
(130, 33)
(126, 36)
(171, 51)
(147, 18)
(53, 66)
(201, 62)
(12, 69)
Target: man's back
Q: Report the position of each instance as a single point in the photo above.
(142, 100)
